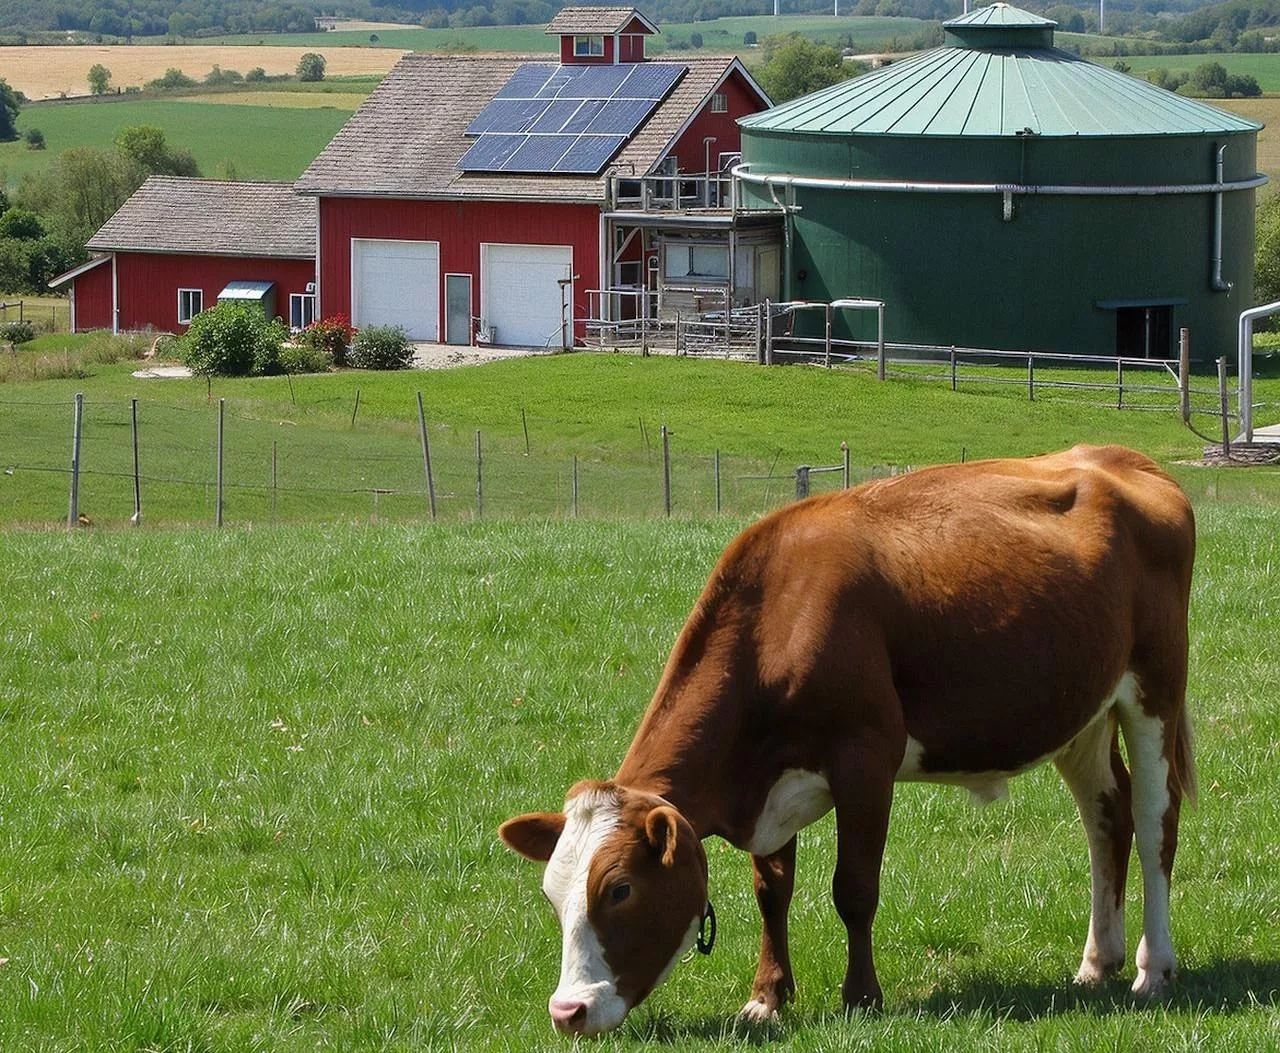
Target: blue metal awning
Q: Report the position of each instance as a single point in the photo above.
(253, 292)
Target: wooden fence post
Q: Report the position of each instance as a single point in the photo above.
(953, 367)
(802, 482)
(77, 421)
(666, 470)
(1119, 384)
(1031, 378)
(844, 464)
(717, 474)
(575, 486)
(222, 407)
(1223, 408)
(1184, 374)
(136, 519)
(426, 458)
(479, 477)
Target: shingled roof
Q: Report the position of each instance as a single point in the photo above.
(596, 19)
(212, 217)
(406, 138)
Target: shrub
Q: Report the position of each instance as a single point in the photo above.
(381, 347)
(331, 335)
(234, 340)
(304, 358)
(218, 75)
(750, 39)
(173, 78)
(256, 75)
(34, 138)
(16, 332)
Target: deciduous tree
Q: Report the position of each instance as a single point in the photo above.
(99, 79)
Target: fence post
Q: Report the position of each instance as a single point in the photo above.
(479, 477)
(77, 420)
(768, 333)
(953, 367)
(827, 338)
(524, 423)
(356, 409)
(1184, 373)
(1119, 384)
(802, 482)
(136, 520)
(222, 405)
(1031, 377)
(880, 342)
(717, 473)
(274, 477)
(575, 486)
(760, 333)
(1222, 407)
(844, 464)
(677, 334)
(728, 321)
(666, 470)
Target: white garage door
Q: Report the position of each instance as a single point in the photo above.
(396, 283)
(521, 292)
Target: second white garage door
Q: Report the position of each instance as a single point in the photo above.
(396, 283)
(521, 292)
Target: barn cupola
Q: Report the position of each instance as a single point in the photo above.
(600, 35)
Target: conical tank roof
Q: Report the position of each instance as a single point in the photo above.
(981, 84)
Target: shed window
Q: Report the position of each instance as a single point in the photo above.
(302, 310)
(697, 261)
(719, 102)
(588, 46)
(190, 304)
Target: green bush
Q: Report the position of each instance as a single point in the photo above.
(303, 358)
(331, 335)
(234, 340)
(256, 75)
(16, 332)
(381, 347)
(173, 78)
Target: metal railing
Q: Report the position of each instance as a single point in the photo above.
(658, 193)
(621, 319)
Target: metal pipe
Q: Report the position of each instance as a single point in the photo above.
(1216, 281)
(786, 231)
(1244, 364)
(1049, 189)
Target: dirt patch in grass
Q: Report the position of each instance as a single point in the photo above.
(49, 72)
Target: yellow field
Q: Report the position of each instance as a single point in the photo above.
(296, 100)
(1266, 111)
(49, 72)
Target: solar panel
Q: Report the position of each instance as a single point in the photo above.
(589, 153)
(620, 116)
(539, 153)
(490, 152)
(565, 118)
(650, 80)
(508, 115)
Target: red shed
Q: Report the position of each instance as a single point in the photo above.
(177, 243)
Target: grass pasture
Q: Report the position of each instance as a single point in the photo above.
(250, 782)
(264, 141)
(1265, 67)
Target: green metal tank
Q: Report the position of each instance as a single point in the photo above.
(998, 192)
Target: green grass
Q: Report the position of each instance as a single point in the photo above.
(1266, 68)
(605, 410)
(249, 783)
(263, 142)
(718, 35)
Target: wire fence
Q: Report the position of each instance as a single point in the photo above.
(108, 463)
(46, 316)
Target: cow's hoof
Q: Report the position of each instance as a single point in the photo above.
(1093, 973)
(757, 1011)
(1152, 982)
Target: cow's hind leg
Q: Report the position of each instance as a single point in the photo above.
(774, 882)
(1156, 734)
(1095, 773)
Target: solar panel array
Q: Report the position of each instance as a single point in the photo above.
(566, 119)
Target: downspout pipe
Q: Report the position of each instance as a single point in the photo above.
(1216, 281)
(786, 231)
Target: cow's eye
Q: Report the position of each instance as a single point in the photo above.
(619, 892)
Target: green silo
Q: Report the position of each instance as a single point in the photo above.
(998, 192)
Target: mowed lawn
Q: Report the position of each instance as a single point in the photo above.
(249, 784)
(263, 141)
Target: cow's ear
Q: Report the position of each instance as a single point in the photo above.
(662, 828)
(533, 836)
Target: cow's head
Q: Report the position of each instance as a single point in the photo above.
(628, 878)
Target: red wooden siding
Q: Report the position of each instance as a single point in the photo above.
(91, 293)
(149, 283)
(567, 56)
(636, 26)
(690, 151)
(460, 227)
(632, 48)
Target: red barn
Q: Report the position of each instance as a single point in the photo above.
(488, 197)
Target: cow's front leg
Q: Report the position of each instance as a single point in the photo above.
(774, 984)
(862, 788)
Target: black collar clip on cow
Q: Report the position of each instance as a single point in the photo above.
(707, 929)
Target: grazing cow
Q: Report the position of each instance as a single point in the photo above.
(959, 624)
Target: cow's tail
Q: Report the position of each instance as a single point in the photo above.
(1183, 774)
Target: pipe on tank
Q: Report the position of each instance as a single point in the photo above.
(1216, 282)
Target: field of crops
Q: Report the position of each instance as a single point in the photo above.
(1266, 68)
(263, 141)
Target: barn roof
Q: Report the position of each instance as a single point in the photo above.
(212, 217)
(406, 138)
(596, 19)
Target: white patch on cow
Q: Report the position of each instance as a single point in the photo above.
(585, 976)
(983, 786)
(797, 799)
(1144, 735)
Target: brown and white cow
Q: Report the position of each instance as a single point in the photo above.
(959, 624)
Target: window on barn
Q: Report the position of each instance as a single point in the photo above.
(588, 46)
(719, 102)
(190, 304)
(302, 310)
(693, 261)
